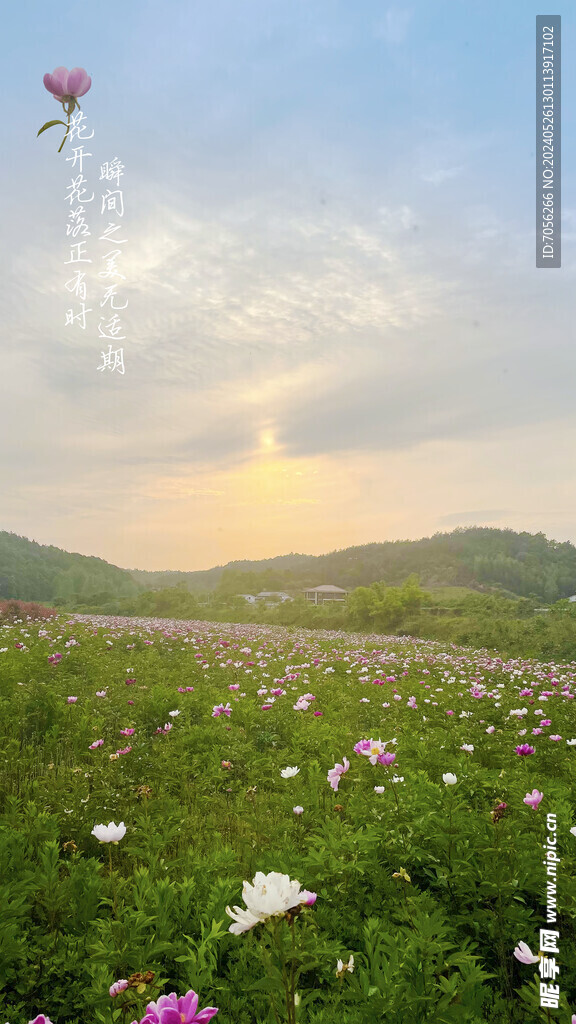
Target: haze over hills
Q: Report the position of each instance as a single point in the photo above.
(523, 564)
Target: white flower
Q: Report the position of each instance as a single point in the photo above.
(173, 713)
(467, 746)
(398, 778)
(298, 809)
(289, 773)
(449, 779)
(341, 967)
(109, 833)
(573, 831)
(571, 743)
(379, 789)
(269, 895)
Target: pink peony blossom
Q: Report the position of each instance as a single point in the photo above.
(533, 798)
(221, 709)
(524, 750)
(523, 953)
(118, 987)
(172, 1010)
(63, 83)
(334, 773)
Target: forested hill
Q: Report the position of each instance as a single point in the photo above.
(38, 572)
(521, 563)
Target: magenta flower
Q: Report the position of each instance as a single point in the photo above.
(386, 758)
(127, 732)
(53, 659)
(96, 744)
(533, 798)
(72, 700)
(41, 1019)
(334, 773)
(171, 1010)
(221, 709)
(65, 85)
(524, 750)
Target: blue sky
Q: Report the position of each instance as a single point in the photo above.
(336, 332)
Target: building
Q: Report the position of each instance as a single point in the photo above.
(325, 594)
(273, 596)
(249, 598)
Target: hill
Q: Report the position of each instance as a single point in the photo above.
(40, 572)
(478, 558)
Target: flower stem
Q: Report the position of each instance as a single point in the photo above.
(68, 110)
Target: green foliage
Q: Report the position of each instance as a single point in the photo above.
(421, 884)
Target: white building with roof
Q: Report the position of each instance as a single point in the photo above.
(324, 594)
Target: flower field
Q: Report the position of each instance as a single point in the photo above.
(260, 824)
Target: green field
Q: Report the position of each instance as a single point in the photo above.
(428, 885)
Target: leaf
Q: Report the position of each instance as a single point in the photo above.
(50, 124)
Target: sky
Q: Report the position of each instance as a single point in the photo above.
(335, 332)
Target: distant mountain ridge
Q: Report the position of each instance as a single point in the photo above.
(520, 563)
(479, 557)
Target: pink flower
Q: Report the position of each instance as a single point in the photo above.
(127, 732)
(100, 693)
(63, 83)
(533, 798)
(555, 738)
(523, 953)
(490, 729)
(130, 682)
(335, 773)
(125, 751)
(449, 712)
(54, 658)
(97, 743)
(171, 1010)
(318, 714)
(189, 689)
(386, 758)
(234, 686)
(220, 709)
(372, 749)
(524, 750)
(118, 987)
(536, 732)
(41, 1019)
(308, 898)
(72, 700)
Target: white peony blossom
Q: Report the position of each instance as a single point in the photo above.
(109, 833)
(269, 895)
